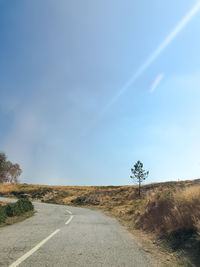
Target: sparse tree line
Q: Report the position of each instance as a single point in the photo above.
(9, 172)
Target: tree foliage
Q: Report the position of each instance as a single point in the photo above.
(9, 172)
(139, 175)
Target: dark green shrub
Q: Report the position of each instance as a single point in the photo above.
(2, 214)
(12, 210)
(24, 205)
(79, 200)
(18, 208)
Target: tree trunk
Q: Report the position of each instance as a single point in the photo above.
(139, 187)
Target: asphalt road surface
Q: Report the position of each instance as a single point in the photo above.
(68, 236)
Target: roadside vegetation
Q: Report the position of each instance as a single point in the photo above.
(9, 172)
(166, 216)
(14, 212)
(9, 178)
(138, 174)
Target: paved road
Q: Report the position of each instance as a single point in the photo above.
(54, 237)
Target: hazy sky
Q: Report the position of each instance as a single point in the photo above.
(89, 87)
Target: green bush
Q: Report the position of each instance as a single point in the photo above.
(12, 210)
(2, 214)
(15, 209)
(24, 205)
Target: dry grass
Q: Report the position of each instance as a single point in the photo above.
(3, 203)
(187, 204)
(168, 211)
(6, 188)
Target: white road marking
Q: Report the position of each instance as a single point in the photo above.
(69, 212)
(71, 217)
(69, 220)
(33, 250)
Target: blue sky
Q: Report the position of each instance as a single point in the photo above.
(66, 114)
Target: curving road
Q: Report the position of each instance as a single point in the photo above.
(68, 236)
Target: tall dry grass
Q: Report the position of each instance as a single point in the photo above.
(7, 188)
(170, 211)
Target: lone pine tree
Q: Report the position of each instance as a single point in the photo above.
(139, 175)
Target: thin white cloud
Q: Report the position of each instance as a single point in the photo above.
(178, 28)
(156, 82)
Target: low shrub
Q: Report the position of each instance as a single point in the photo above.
(79, 200)
(12, 210)
(2, 214)
(15, 209)
(24, 205)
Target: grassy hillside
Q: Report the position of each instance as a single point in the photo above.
(166, 216)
